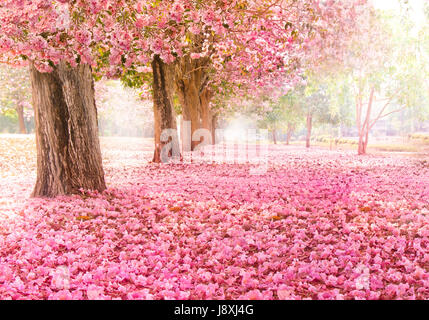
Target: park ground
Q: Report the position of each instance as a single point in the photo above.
(319, 224)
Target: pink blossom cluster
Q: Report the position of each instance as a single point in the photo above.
(317, 225)
(247, 42)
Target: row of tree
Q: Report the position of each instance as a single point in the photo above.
(384, 72)
(190, 56)
(194, 49)
(15, 95)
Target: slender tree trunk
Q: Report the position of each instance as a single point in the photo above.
(309, 129)
(363, 141)
(364, 128)
(359, 122)
(274, 132)
(68, 147)
(361, 146)
(164, 115)
(21, 120)
(289, 134)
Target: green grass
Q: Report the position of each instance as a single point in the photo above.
(371, 147)
(394, 148)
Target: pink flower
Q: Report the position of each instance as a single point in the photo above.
(195, 55)
(95, 293)
(252, 295)
(61, 295)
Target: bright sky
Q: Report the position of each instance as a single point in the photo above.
(417, 7)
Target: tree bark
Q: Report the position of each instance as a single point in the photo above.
(21, 119)
(206, 113)
(274, 132)
(191, 81)
(309, 129)
(164, 115)
(214, 127)
(68, 147)
(191, 104)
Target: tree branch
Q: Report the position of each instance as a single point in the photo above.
(380, 114)
(387, 114)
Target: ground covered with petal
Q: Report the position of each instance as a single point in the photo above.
(317, 225)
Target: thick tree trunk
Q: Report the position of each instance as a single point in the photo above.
(206, 113)
(164, 115)
(191, 104)
(68, 147)
(191, 79)
(21, 119)
(214, 127)
(309, 129)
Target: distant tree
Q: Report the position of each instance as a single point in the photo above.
(385, 69)
(293, 112)
(15, 93)
(316, 106)
(341, 103)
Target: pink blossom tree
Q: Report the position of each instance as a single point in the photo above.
(189, 45)
(245, 43)
(56, 38)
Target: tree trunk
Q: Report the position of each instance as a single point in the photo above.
(364, 128)
(206, 114)
(191, 104)
(289, 134)
(164, 115)
(309, 128)
(363, 141)
(214, 127)
(361, 146)
(274, 131)
(68, 147)
(191, 80)
(21, 120)
(359, 121)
